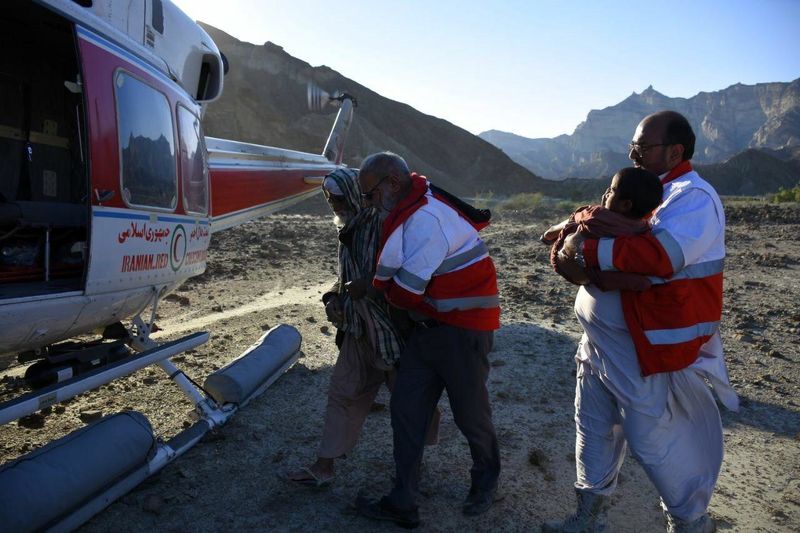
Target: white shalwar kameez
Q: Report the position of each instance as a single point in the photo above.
(670, 420)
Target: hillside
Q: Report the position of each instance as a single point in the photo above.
(754, 172)
(264, 102)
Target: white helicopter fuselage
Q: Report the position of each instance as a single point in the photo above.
(113, 191)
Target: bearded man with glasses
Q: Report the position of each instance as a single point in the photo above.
(432, 262)
(644, 357)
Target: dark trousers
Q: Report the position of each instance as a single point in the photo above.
(438, 358)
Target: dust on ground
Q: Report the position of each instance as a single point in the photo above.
(274, 271)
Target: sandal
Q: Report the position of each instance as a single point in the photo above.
(311, 479)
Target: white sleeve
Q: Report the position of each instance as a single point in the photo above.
(424, 249)
(692, 221)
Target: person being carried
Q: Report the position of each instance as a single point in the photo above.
(627, 203)
(646, 358)
(369, 340)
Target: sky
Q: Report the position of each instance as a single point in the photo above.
(535, 67)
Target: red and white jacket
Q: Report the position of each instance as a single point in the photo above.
(684, 257)
(433, 262)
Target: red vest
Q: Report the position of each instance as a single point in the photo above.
(670, 321)
(465, 297)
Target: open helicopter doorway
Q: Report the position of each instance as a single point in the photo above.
(44, 203)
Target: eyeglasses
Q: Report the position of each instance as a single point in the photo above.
(368, 195)
(642, 149)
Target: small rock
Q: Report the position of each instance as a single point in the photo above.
(149, 381)
(217, 308)
(537, 458)
(90, 415)
(311, 319)
(325, 330)
(34, 421)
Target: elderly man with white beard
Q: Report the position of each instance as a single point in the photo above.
(368, 338)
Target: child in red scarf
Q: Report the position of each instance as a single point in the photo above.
(633, 195)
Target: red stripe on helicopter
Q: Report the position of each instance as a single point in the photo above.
(233, 190)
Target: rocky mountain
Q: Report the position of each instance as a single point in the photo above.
(264, 102)
(726, 122)
(755, 171)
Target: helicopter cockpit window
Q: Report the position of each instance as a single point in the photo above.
(147, 145)
(194, 172)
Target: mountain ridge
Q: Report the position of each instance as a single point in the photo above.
(763, 116)
(264, 102)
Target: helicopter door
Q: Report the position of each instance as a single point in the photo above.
(43, 178)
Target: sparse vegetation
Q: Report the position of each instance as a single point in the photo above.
(787, 195)
(568, 206)
(525, 200)
(484, 200)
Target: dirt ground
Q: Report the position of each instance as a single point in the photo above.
(273, 271)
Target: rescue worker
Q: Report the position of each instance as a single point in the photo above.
(368, 338)
(433, 263)
(644, 355)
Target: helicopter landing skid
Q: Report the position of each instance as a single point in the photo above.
(127, 451)
(58, 392)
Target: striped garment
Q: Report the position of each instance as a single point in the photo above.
(684, 257)
(432, 262)
(358, 247)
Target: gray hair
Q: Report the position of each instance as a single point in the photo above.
(385, 164)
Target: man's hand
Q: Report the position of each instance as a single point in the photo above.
(358, 288)
(333, 310)
(568, 266)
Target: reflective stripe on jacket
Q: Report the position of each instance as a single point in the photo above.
(684, 257)
(433, 262)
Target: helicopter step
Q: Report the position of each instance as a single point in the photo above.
(64, 390)
(67, 360)
(61, 485)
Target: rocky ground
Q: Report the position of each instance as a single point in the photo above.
(273, 271)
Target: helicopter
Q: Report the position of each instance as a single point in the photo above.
(109, 196)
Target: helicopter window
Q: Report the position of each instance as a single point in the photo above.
(194, 172)
(147, 144)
